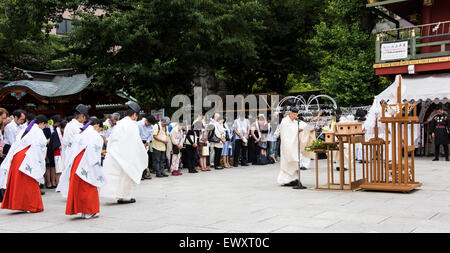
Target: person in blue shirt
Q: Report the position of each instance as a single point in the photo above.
(145, 126)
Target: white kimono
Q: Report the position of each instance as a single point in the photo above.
(72, 129)
(33, 164)
(126, 158)
(289, 151)
(89, 169)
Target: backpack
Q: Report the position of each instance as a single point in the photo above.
(261, 160)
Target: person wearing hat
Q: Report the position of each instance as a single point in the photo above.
(84, 173)
(440, 127)
(126, 158)
(289, 158)
(159, 143)
(72, 129)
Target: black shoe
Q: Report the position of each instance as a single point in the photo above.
(245, 164)
(122, 201)
(303, 168)
(218, 168)
(42, 193)
(435, 159)
(193, 171)
(236, 165)
(293, 183)
(447, 159)
(299, 186)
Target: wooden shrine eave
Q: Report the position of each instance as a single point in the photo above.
(422, 65)
(381, 3)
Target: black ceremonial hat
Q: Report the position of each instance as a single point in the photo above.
(134, 106)
(294, 109)
(82, 109)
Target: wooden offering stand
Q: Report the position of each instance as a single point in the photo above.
(351, 133)
(345, 132)
(398, 175)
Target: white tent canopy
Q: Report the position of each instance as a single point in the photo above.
(419, 88)
(427, 89)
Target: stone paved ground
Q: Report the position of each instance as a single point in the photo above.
(247, 199)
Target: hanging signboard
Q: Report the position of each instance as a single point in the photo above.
(394, 51)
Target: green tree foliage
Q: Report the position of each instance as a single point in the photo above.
(284, 47)
(153, 48)
(343, 48)
(24, 38)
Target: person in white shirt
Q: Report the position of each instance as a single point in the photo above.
(145, 126)
(219, 139)
(3, 116)
(241, 127)
(13, 128)
(109, 123)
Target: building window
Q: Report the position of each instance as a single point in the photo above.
(64, 27)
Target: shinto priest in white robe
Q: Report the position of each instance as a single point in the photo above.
(289, 150)
(126, 158)
(72, 129)
(89, 169)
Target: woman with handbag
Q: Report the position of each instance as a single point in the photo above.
(203, 150)
(191, 142)
(226, 150)
(260, 131)
(177, 139)
(217, 139)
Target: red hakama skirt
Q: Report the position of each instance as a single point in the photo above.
(22, 191)
(82, 196)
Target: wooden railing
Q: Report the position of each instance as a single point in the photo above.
(424, 41)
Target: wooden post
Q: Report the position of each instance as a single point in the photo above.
(405, 150)
(341, 163)
(386, 144)
(328, 166)
(332, 167)
(399, 155)
(377, 49)
(412, 153)
(399, 92)
(317, 169)
(378, 163)
(350, 161)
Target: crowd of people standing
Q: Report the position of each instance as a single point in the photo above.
(76, 154)
(206, 143)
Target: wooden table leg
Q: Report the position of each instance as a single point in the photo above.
(328, 167)
(332, 167)
(317, 170)
(341, 164)
(349, 162)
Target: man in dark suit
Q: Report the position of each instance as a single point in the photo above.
(440, 127)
